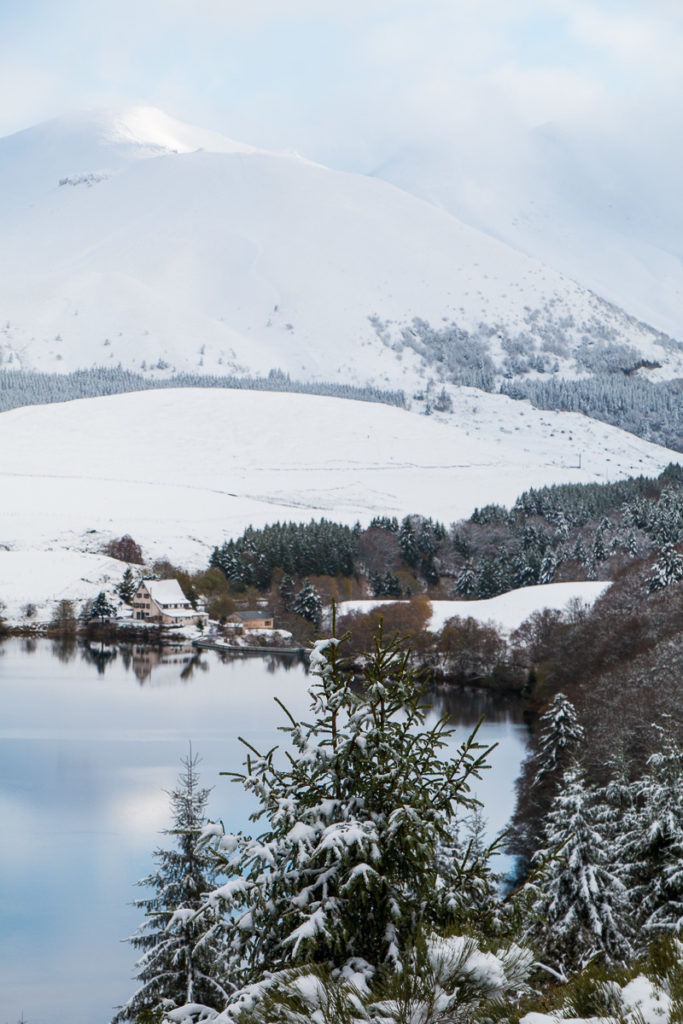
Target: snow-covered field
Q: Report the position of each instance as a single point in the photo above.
(182, 470)
(507, 610)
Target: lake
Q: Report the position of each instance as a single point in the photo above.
(91, 740)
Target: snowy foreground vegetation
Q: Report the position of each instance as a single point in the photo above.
(369, 896)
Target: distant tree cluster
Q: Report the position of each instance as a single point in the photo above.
(299, 549)
(650, 410)
(564, 532)
(550, 340)
(568, 531)
(26, 387)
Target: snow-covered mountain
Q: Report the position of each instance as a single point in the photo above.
(603, 206)
(128, 237)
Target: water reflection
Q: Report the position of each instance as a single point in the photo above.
(99, 654)
(145, 659)
(65, 648)
(468, 705)
(91, 737)
(271, 661)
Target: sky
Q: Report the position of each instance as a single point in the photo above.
(351, 83)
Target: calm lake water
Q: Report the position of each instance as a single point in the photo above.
(90, 740)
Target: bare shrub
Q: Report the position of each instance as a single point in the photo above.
(125, 549)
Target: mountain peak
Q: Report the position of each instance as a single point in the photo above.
(79, 145)
(137, 130)
(150, 128)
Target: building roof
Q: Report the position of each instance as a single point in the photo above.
(257, 614)
(165, 592)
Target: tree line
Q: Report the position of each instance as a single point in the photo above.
(551, 534)
(28, 387)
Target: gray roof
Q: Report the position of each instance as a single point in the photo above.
(254, 614)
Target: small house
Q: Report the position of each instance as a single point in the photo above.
(250, 619)
(163, 602)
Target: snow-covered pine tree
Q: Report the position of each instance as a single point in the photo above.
(466, 581)
(101, 607)
(349, 865)
(559, 740)
(308, 604)
(548, 568)
(182, 948)
(653, 847)
(582, 906)
(667, 569)
(600, 550)
(560, 735)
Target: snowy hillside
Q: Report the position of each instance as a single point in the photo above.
(182, 470)
(130, 238)
(580, 201)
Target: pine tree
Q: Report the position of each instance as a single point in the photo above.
(287, 591)
(350, 864)
(600, 552)
(548, 567)
(101, 607)
(653, 846)
(391, 585)
(466, 582)
(583, 904)
(443, 401)
(181, 962)
(126, 587)
(667, 569)
(560, 735)
(559, 740)
(308, 604)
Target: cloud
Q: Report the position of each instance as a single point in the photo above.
(342, 81)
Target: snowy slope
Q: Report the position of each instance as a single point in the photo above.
(182, 470)
(506, 610)
(607, 211)
(167, 244)
(42, 578)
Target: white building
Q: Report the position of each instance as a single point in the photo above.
(163, 602)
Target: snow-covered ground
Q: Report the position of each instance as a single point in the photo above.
(507, 610)
(183, 470)
(642, 1000)
(42, 578)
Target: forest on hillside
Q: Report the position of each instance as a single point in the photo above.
(552, 534)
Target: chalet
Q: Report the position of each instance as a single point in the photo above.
(163, 602)
(251, 619)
